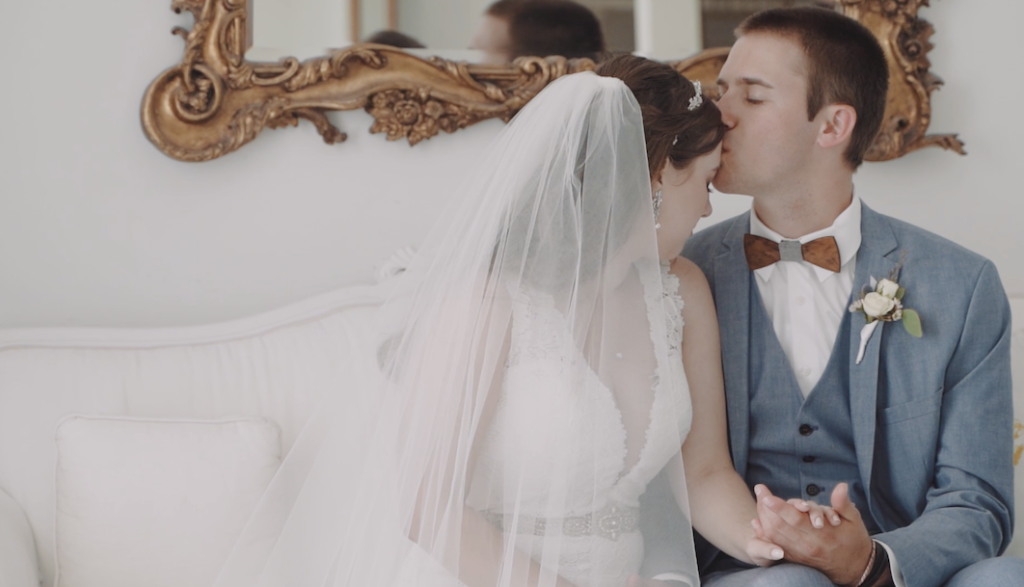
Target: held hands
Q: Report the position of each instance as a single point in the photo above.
(833, 540)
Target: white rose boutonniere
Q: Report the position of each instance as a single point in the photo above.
(884, 303)
(876, 306)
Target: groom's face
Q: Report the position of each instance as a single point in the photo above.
(763, 87)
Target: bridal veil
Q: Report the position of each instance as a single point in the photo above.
(527, 385)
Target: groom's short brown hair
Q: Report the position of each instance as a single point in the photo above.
(846, 65)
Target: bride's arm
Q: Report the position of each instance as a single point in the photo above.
(721, 505)
(480, 545)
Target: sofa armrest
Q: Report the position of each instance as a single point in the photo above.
(19, 566)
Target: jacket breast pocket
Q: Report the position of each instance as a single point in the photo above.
(913, 409)
(906, 447)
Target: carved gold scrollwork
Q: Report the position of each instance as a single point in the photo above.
(1018, 434)
(905, 39)
(214, 101)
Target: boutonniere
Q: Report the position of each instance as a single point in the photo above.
(883, 302)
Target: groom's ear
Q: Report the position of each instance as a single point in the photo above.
(837, 122)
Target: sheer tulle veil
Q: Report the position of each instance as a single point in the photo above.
(427, 470)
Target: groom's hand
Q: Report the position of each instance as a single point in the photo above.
(840, 552)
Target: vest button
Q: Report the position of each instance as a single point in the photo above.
(806, 430)
(813, 490)
(809, 459)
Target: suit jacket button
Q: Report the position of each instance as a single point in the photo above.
(806, 430)
(809, 459)
(813, 490)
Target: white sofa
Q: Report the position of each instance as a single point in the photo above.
(200, 416)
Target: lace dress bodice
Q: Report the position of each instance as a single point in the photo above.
(555, 411)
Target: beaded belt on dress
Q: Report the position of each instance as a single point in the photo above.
(608, 522)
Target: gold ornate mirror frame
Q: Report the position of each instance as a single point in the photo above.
(214, 101)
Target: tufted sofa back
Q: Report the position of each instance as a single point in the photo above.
(273, 366)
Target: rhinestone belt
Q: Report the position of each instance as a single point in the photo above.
(608, 522)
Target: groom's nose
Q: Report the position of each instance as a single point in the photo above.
(725, 107)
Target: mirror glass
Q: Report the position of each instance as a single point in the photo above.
(658, 29)
(719, 18)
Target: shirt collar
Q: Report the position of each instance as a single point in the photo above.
(845, 229)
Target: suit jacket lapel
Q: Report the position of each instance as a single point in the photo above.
(874, 259)
(732, 297)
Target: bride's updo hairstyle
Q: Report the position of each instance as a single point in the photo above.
(672, 131)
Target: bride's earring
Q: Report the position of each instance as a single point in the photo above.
(657, 207)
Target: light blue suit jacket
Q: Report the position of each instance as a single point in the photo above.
(932, 417)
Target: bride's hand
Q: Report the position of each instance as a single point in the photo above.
(816, 512)
(762, 552)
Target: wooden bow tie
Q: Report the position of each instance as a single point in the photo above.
(762, 252)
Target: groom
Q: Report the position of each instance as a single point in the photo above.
(911, 442)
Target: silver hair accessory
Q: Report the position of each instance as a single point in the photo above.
(657, 204)
(697, 100)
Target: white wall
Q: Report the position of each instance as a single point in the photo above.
(975, 200)
(99, 228)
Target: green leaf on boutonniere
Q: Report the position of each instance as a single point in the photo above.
(900, 293)
(912, 322)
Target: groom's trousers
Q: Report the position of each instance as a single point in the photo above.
(994, 572)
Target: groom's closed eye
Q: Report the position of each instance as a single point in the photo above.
(751, 83)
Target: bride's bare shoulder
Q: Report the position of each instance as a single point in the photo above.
(693, 285)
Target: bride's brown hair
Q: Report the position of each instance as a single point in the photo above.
(664, 96)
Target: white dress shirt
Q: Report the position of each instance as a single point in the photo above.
(806, 303)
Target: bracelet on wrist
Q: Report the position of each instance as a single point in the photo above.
(869, 567)
(877, 567)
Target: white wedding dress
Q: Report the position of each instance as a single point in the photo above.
(531, 383)
(551, 397)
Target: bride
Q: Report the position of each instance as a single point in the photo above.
(532, 379)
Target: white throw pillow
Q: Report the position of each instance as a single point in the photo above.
(157, 503)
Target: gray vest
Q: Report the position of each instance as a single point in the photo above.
(800, 447)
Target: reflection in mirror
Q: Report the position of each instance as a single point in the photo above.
(721, 17)
(302, 29)
(310, 28)
(307, 28)
(659, 29)
(510, 29)
(617, 22)
(655, 28)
